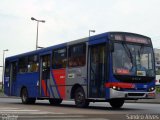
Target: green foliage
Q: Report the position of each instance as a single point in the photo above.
(1, 88)
(157, 89)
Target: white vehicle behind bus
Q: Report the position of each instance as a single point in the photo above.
(157, 79)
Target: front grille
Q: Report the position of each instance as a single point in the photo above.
(142, 89)
(136, 94)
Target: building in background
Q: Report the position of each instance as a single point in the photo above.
(157, 65)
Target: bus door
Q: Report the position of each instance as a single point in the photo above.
(96, 70)
(45, 67)
(13, 76)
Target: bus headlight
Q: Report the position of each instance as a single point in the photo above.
(151, 89)
(116, 88)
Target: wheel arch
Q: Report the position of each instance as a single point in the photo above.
(22, 89)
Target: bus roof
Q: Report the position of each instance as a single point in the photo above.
(43, 50)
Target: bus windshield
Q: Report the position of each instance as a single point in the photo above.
(133, 59)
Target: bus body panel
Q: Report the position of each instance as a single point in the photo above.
(28, 80)
(61, 82)
(76, 75)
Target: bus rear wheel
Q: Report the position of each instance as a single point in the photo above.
(79, 97)
(25, 99)
(116, 103)
(55, 101)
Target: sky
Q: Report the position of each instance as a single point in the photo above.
(68, 20)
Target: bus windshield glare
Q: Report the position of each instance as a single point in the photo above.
(133, 59)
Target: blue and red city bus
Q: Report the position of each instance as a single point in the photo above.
(111, 67)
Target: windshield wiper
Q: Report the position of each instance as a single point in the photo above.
(140, 51)
(127, 50)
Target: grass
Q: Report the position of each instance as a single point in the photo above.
(0, 88)
(158, 89)
(1, 91)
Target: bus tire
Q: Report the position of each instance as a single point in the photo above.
(25, 99)
(116, 103)
(55, 101)
(79, 98)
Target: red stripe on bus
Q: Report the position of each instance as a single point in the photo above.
(120, 84)
(44, 87)
(60, 77)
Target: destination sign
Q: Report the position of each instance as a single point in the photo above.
(136, 39)
(131, 38)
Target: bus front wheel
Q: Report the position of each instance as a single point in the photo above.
(116, 103)
(25, 99)
(79, 97)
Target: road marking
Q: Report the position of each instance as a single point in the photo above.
(19, 110)
(28, 113)
(7, 110)
(86, 119)
(64, 116)
(40, 114)
(3, 108)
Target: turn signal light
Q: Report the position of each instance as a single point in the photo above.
(151, 89)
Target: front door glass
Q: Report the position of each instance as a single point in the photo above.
(97, 71)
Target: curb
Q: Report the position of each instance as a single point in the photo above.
(4, 96)
(9, 97)
(146, 102)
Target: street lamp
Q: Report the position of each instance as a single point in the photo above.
(43, 21)
(91, 31)
(3, 67)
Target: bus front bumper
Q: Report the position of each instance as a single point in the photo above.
(131, 95)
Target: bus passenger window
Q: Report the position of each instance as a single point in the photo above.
(77, 55)
(22, 65)
(33, 64)
(59, 58)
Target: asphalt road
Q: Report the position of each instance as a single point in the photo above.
(12, 109)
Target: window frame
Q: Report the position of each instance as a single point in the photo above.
(84, 55)
(33, 62)
(25, 66)
(53, 58)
